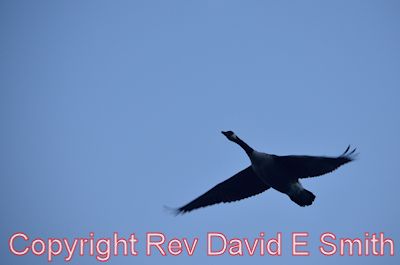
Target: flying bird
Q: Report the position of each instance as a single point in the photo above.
(282, 173)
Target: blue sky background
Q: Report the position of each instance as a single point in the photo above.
(112, 109)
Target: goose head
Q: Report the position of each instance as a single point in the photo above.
(230, 135)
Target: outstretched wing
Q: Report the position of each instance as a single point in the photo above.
(296, 167)
(242, 185)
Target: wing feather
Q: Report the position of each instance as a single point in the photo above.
(240, 186)
(296, 167)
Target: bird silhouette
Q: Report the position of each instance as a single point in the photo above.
(281, 173)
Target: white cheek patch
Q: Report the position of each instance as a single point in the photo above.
(234, 136)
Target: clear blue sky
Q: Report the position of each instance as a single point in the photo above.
(111, 109)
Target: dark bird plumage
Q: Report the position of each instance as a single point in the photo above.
(266, 171)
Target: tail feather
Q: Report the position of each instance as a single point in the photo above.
(303, 198)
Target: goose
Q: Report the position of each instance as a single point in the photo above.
(282, 173)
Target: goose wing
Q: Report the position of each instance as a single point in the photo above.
(240, 186)
(296, 167)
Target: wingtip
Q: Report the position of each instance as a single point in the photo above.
(352, 155)
(173, 211)
(352, 151)
(345, 151)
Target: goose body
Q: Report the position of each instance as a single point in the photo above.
(265, 167)
(281, 173)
